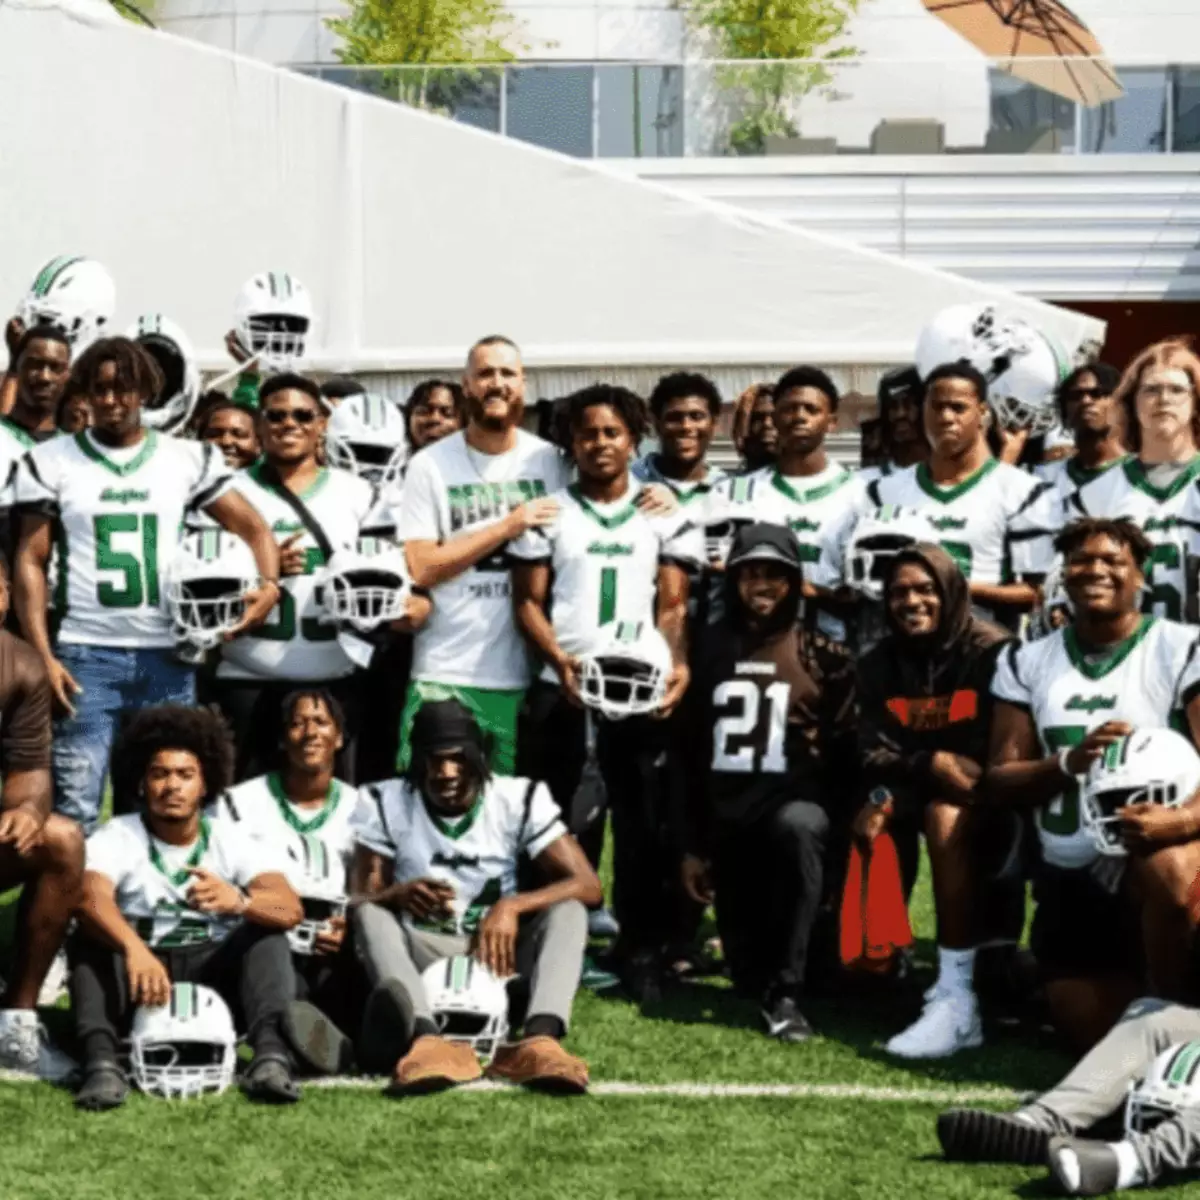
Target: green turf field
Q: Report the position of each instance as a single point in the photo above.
(353, 1144)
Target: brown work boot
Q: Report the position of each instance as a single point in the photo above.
(542, 1064)
(433, 1064)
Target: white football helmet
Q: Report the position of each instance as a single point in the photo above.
(365, 586)
(718, 537)
(207, 582)
(1171, 1084)
(1150, 766)
(366, 435)
(272, 317)
(1056, 607)
(626, 675)
(185, 1048)
(75, 294)
(1022, 365)
(876, 539)
(171, 349)
(469, 1003)
(321, 890)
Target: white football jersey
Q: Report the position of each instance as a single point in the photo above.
(1066, 476)
(989, 524)
(1143, 681)
(315, 845)
(120, 512)
(470, 638)
(687, 492)
(152, 882)
(605, 559)
(15, 443)
(1160, 513)
(477, 855)
(294, 642)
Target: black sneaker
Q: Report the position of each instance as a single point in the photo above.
(642, 978)
(268, 1080)
(1081, 1167)
(976, 1135)
(785, 1021)
(104, 1087)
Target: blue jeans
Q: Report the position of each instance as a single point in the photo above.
(114, 682)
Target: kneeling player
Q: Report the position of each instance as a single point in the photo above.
(170, 896)
(776, 710)
(435, 875)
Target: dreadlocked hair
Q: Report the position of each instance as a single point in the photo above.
(136, 369)
(200, 732)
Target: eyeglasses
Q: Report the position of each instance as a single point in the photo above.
(1086, 393)
(277, 416)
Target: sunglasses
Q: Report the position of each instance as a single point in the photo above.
(277, 416)
(1092, 393)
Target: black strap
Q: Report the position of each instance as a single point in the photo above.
(268, 474)
(527, 806)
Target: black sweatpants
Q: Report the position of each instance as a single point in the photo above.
(253, 709)
(335, 983)
(251, 970)
(769, 882)
(630, 755)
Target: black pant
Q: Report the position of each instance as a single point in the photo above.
(335, 983)
(769, 878)
(251, 970)
(382, 689)
(630, 754)
(254, 712)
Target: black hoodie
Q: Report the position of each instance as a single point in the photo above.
(920, 695)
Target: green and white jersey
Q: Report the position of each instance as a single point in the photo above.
(152, 881)
(605, 560)
(315, 845)
(1160, 514)
(1066, 476)
(119, 512)
(1144, 681)
(687, 492)
(294, 643)
(15, 443)
(993, 523)
(471, 639)
(477, 854)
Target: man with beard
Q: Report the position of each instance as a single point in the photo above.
(774, 724)
(904, 443)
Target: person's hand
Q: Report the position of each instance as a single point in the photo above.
(496, 941)
(677, 684)
(62, 685)
(697, 879)
(1081, 757)
(329, 939)
(656, 500)
(149, 982)
(870, 822)
(292, 559)
(955, 772)
(209, 893)
(259, 603)
(234, 346)
(20, 829)
(425, 899)
(1148, 827)
(14, 331)
(1012, 444)
(533, 514)
(567, 669)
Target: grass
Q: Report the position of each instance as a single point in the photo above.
(356, 1145)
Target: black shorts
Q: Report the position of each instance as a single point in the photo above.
(1080, 930)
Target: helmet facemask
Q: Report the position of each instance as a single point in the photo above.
(205, 610)
(277, 341)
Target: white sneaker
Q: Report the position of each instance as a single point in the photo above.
(24, 1047)
(54, 986)
(948, 1024)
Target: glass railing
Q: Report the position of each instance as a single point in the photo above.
(849, 107)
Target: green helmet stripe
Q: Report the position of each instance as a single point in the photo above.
(51, 271)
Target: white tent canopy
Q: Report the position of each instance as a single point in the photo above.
(185, 170)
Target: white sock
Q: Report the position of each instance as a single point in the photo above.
(956, 970)
(1129, 1166)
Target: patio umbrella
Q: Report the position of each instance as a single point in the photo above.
(1041, 41)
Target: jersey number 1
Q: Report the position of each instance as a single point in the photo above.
(140, 572)
(743, 723)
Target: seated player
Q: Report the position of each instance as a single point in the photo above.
(435, 874)
(173, 896)
(923, 700)
(1155, 1041)
(1101, 922)
(774, 718)
(301, 814)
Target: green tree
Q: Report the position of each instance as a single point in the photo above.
(774, 32)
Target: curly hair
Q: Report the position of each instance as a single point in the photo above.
(1119, 529)
(628, 406)
(681, 385)
(136, 368)
(200, 732)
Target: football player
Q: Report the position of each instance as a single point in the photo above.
(118, 492)
(234, 431)
(753, 427)
(1060, 701)
(990, 514)
(304, 810)
(904, 443)
(774, 728)
(602, 564)
(465, 498)
(436, 409)
(685, 408)
(435, 874)
(1155, 487)
(1089, 410)
(173, 896)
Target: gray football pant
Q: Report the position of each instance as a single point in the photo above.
(1098, 1084)
(550, 949)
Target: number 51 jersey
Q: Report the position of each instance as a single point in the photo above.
(1144, 681)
